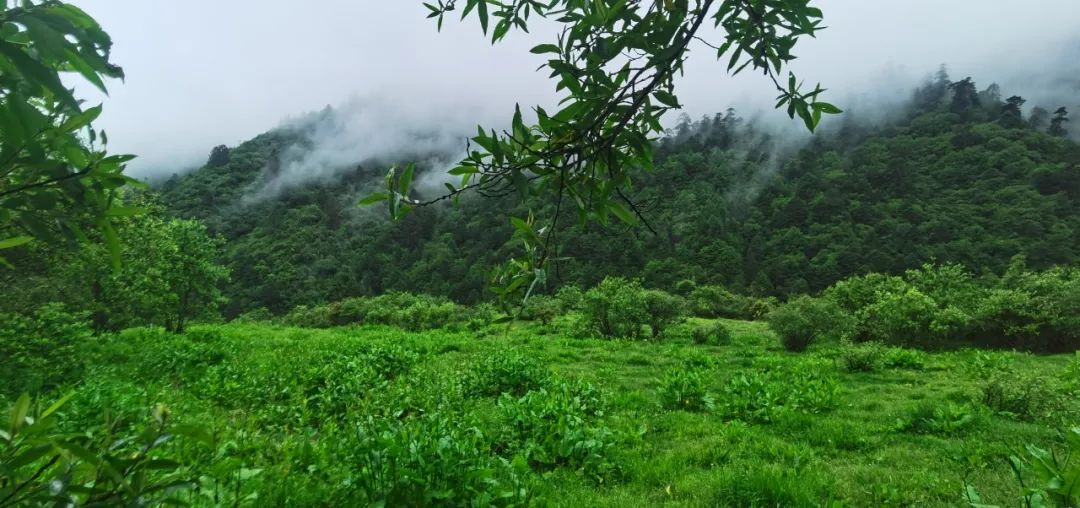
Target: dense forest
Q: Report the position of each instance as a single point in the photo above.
(958, 175)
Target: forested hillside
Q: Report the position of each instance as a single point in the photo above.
(959, 175)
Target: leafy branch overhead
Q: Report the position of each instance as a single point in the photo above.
(55, 176)
(615, 61)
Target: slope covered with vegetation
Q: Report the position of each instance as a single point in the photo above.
(941, 182)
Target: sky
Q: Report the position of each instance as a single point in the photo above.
(201, 73)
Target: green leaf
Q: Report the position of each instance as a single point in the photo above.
(406, 179)
(56, 405)
(827, 108)
(15, 241)
(371, 199)
(623, 213)
(666, 98)
(545, 48)
(18, 413)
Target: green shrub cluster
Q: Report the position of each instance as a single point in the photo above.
(1025, 397)
(685, 390)
(558, 425)
(765, 394)
(403, 310)
(718, 302)
(714, 334)
(940, 417)
(804, 321)
(432, 460)
(936, 306)
(621, 308)
(510, 372)
(40, 350)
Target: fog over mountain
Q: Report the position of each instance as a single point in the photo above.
(256, 63)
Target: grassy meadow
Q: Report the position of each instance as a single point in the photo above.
(511, 415)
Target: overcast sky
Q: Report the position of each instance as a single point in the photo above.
(207, 72)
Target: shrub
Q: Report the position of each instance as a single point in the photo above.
(308, 317)
(926, 307)
(684, 389)
(761, 307)
(938, 417)
(505, 372)
(867, 357)
(479, 316)
(898, 318)
(806, 320)
(257, 315)
(763, 395)
(431, 460)
(40, 351)
(615, 308)
(540, 308)
(403, 310)
(1022, 397)
(559, 426)
(684, 287)
(717, 302)
(1038, 311)
(662, 309)
(714, 334)
(901, 358)
(570, 298)
(985, 364)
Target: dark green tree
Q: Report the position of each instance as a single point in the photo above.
(1039, 119)
(964, 95)
(1011, 115)
(1057, 123)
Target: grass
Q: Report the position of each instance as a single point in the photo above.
(283, 396)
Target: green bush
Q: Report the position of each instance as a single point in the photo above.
(403, 310)
(615, 308)
(940, 417)
(684, 389)
(431, 460)
(258, 315)
(502, 372)
(765, 394)
(760, 308)
(663, 310)
(41, 350)
(718, 302)
(309, 317)
(713, 334)
(902, 358)
(570, 298)
(541, 308)
(866, 357)
(941, 305)
(560, 425)
(1023, 397)
(806, 320)
(1036, 311)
